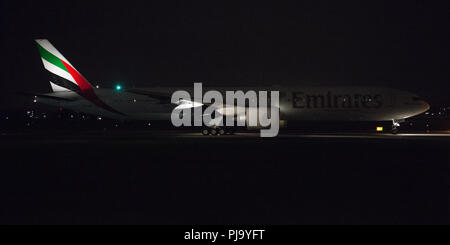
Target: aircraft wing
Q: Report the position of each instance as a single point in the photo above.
(166, 98)
(163, 98)
(48, 96)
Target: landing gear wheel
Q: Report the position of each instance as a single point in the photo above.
(221, 131)
(394, 130)
(205, 131)
(213, 131)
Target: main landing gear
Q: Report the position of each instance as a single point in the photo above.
(217, 131)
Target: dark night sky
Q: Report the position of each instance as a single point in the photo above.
(400, 45)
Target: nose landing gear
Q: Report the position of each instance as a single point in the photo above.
(396, 125)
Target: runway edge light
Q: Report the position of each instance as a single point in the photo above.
(379, 129)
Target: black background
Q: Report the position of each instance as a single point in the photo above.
(400, 44)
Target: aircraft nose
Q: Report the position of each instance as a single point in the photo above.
(422, 107)
(421, 104)
(426, 106)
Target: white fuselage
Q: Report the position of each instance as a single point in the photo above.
(296, 103)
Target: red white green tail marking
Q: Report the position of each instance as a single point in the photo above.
(65, 76)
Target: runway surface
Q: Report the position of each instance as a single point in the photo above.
(120, 136)
(167, 177)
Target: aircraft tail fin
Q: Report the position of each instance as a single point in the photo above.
(64, 76)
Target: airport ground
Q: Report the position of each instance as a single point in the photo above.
(166, 177)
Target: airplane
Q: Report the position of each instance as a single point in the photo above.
(71, 90)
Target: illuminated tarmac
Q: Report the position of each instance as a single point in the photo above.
(343, 135)
(152, 135)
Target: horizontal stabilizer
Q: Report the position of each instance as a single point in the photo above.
(46, 96)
